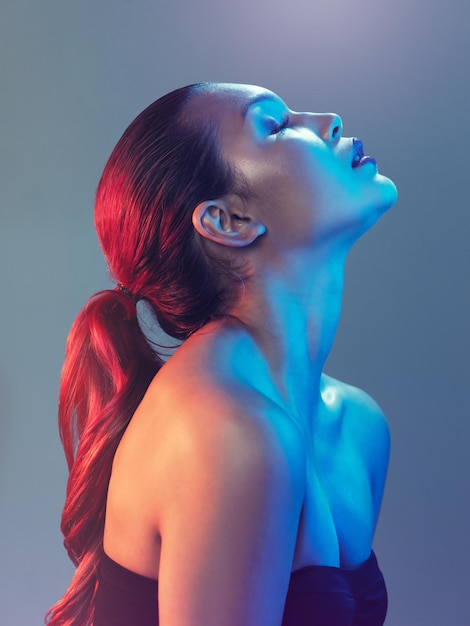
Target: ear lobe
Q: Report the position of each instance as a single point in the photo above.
(217, 221)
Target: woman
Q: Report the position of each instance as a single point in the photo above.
(235, 484)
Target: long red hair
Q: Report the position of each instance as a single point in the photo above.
(163, 165)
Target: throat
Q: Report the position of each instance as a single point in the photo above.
(294, 331)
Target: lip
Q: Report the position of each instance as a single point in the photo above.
(358, 156)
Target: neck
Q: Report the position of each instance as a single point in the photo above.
(292, 314)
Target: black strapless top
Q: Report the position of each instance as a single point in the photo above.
(317, 596)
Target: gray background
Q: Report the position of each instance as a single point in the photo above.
(74, 74)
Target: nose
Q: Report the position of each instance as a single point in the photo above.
(333, 127)
(329, 126)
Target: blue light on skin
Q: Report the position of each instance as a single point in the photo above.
(291, 236)
(307, 194)
(309, 205)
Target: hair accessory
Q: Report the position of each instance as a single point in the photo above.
(129, 294)
(125, 290)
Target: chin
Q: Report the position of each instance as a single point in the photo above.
(379, 199)
(386, 193)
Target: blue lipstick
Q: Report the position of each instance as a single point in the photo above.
(358, 154)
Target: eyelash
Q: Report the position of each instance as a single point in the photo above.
(280, 127)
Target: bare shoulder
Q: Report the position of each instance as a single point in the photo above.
(363, 415)
(196, 415)
(208, 405)
(228, 431)
(229, 500)
(365, 426)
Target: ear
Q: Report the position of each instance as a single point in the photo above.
(226, 222)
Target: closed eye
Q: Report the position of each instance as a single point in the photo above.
(278, 128)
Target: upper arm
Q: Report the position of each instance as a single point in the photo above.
(228, 524)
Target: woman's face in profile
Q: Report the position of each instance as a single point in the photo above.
(308, 181)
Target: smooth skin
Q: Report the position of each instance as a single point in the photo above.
(244, 461)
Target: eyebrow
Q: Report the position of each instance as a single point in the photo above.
(255, 99)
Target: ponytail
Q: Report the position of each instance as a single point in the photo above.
(166, 162)
(108, 367)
